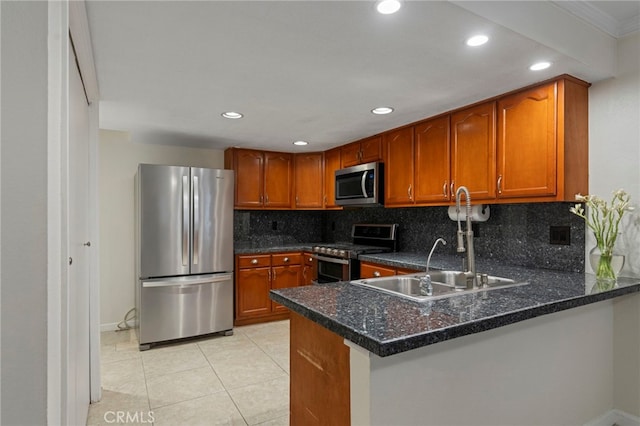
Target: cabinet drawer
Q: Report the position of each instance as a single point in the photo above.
(254, 261)
(372, 270)
(284, 259)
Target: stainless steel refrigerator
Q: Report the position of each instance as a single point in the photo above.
(184, 239)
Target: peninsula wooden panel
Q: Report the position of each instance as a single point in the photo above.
(320, 375)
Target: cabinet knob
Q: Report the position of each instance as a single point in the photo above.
(311, 259)
(286, 259)
(254, 261)
(376, 273)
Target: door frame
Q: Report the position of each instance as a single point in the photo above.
(64, 18)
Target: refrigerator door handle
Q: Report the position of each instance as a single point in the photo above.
(194, 281)
(185, 220)
(196, 220)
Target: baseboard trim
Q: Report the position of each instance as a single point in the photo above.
(615, 417)
(112, 326)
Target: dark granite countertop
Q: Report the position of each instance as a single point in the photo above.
(257, 248)
(387, 325)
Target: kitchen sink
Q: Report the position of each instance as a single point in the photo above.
(444, 283)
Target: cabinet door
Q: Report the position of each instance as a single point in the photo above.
(277, 179)
(284, 277)
(252, 294)
(371, 149)
(350, 154)
(373, 270)
(309, 175)
(249, 167)
(474, 151)
(527, 143)
(432, 161)
(309, 269)
(331, 164)
(398, 163)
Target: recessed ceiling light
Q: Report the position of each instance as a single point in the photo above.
(301, 143)
(477, 40)
(382, 110)
(540, 66)
(387, 7)
(232, 115)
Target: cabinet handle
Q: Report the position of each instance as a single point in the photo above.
(444, 189)
(500, 184)
(452, 187)
(297, 200)
(376, 273)
(325, 199)
(273, 277)
(254, 261)
(261, 198)
(286, 259)
(409, 193)
(266, 199)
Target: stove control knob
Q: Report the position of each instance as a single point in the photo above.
(343, 253)
(323, 249)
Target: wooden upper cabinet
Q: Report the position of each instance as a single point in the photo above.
(309, 177)
(364, 151)
(527, 143)
(371, 149)
(432, 161)
(263, 179)
(332, 162)
(473, 156)
(249, 167)
(398, 163)
(277, 179)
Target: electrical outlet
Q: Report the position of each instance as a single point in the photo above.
(560, 235)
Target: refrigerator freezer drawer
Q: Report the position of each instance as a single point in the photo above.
(184, 307)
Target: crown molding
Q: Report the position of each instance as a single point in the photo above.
(601, 20)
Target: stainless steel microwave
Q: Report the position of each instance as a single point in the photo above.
(361, 185)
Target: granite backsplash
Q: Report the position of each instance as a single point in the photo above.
(518, 234)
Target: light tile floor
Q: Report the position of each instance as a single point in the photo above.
(222, 380)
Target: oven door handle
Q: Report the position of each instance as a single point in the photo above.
(330, 259)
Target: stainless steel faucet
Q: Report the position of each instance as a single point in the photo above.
(472, 281)
(426, 287)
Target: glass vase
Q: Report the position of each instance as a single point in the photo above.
(606, 265)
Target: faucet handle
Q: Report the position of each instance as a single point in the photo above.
(426, 288)
(460, 248)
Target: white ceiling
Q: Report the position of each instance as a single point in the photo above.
(313, 70)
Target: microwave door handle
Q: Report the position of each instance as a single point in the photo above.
(363, 184)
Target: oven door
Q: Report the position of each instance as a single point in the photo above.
(331, 269)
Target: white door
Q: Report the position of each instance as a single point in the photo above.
(77, 300)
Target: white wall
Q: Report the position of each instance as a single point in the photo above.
(23, 311)
(614, 144)
(529, 373)
(119, 158)
(614, 162)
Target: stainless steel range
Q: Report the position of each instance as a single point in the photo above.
(340, 262)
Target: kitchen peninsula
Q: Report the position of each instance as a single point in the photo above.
(541, 353)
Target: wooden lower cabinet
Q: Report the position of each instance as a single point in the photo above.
(375, 270)
(309, 268)
(320, 375)
(256, 275)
